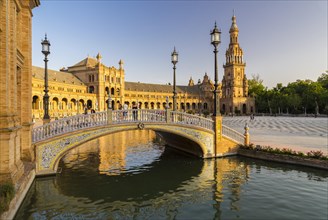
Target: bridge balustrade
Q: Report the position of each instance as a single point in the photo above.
(232, 134)
(138, 115)
(192, 120)
(68, 124)
(79, 122)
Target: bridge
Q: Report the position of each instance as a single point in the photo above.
(203, 137)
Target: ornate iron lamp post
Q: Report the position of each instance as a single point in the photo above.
(109, 100)
(174, 59)
(46, 51)
(215, 41)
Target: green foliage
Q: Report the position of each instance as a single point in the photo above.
(7, 193)
(300, 97)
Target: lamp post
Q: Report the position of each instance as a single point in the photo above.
(174, 59)
(46, 51)
(109, 100)
(215, 41)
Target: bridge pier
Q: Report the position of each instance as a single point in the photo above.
(217, 133)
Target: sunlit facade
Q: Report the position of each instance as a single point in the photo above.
(89, 83)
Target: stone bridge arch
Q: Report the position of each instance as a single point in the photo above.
(193, 134)
(49, 152)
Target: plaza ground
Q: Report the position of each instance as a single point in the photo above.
(298, 133)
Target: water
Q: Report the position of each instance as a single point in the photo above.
(130, 175)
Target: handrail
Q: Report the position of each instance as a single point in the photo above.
(79, 122)
(138, 115)
(68, 124)
(192, 120)
(233, 134)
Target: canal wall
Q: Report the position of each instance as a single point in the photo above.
(283, 158)
(22, 188)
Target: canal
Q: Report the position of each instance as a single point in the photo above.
(133, 175)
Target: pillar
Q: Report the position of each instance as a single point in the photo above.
(218, 133)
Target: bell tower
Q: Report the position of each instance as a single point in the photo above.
(234, 87)
(234, 83)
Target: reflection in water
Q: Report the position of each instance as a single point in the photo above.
(131, 175)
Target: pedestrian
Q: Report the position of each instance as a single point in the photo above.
(93, 111)
(135, 111)
(125, 111)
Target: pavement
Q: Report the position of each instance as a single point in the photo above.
(298, 133)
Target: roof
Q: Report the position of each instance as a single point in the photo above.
(147, 87)
(86, 62)
(58, 76)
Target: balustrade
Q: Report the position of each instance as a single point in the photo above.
(79, 122)
(232, 134)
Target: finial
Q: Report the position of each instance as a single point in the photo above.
(233, 12)
(45, 36)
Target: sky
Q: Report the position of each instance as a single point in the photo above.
(282, 40)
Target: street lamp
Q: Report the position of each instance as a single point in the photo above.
(216, 40)
(109, 100)
(46, 51)
(174, 59)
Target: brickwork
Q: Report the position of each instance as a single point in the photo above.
(15, 86)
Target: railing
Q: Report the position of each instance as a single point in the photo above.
(79, 122)
(68, 124)
(138, 115)
(192, 120)
(232, 134)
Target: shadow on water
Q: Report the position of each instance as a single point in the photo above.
(158, 179)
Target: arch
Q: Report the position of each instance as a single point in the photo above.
(64, 103)
(118, 91)
(158, 105)
(91, 89)
(197, 142)
(81, 104)
(244, 108)
(55, 103)
(205, 106)
(223, 108)
(182, 106)
(188, 106)
(112, 91)
(152, 105)
(146, 105)
(89, 104)
(107, 90)
(35, 102)
(193, 106)
(73, 104)
(164, 105)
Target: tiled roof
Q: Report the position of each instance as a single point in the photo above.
(147, 87)
(86, 62)
(58, 76)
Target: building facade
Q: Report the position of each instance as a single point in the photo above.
(89, 83)
(15, 87)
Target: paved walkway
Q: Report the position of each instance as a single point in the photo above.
(298, 133)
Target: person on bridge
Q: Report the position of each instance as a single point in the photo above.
(125, 111)
(135, 111)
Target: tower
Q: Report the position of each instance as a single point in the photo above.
(234, 83)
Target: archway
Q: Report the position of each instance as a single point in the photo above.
(89, 104)
(244, 109)
(35, 103)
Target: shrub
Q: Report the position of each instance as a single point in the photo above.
(315, 154)
(7, 193)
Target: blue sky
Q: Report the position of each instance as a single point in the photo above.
(282, 40)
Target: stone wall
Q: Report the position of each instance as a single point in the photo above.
(282, 158)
